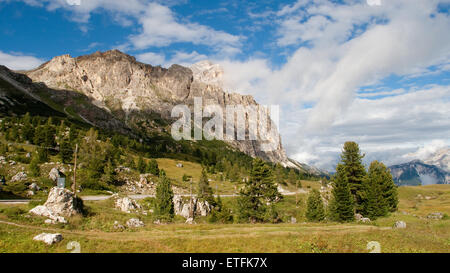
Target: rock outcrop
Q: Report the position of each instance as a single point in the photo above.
(20, 176)
(127, 204)
(60, 203)
(193, 206)
(132, 91)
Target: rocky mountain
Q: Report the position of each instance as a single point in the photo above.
(440, 158)
(416, 173)
(17, 100)
(114, 91)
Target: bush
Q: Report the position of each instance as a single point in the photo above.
(93, 184)
(13, 212)
(22, 159)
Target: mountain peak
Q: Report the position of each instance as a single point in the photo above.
(208, 72)
(113, 55)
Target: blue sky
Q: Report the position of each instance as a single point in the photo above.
(374, 71)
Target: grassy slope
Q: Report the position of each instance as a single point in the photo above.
(96, 234)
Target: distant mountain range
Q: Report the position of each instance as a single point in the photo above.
(431, 170)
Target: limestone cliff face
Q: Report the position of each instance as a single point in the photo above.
(132, 91)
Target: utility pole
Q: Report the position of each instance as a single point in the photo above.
(75, 171)
(191, 209)
(296, 193)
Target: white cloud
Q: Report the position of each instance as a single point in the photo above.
(151, 58)
(427, 149)
(17, 61)
(352, 45)
(179, 57)
(387, 129)
(161, 28)
(186, 59)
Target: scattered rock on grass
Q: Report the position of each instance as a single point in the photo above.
(19, 177)
(435, 216)
(118, 226)
(49, 238)
(135, 223)
(400, 224)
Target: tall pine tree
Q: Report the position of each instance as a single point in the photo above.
(355, 171)
(380, 192)
(342, 203)
(65, 150)
(258, 190)
(152, 167)
(315, 210)
(164, 208)
(34, 168)
(141, 166)
(205, 191)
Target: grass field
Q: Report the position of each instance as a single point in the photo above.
(96, 233)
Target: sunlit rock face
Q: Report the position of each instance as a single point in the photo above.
(134, 92)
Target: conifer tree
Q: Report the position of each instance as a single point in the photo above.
(27, 129)
(141, 166)
(279, 173)
(315, 210)
(389, 189)
(152, 167)
(34, 169)
(293, 178)
(39, 135)
(204, 191)
(49, 134)
(73, 133)
(42, 155)
(164, 208)
(110, 174)
(342, 206)
(65, 151)
(355, 171)
(258, 190)
(92, 154)
(380, 196)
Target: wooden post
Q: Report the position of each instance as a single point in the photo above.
(296, 193)
(74, 186)
(191, 209)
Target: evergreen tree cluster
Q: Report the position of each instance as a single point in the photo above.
(259, 191)
(372, 193)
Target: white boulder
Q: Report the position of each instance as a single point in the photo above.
(53, 174)
(400, 224)
(20, 176)
(49, 238)
(34, 187)
(135, 223)
(60, 203)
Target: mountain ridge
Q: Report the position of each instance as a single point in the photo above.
(134, 94)
(416, 172)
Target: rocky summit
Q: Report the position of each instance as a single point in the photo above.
(135, 93)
